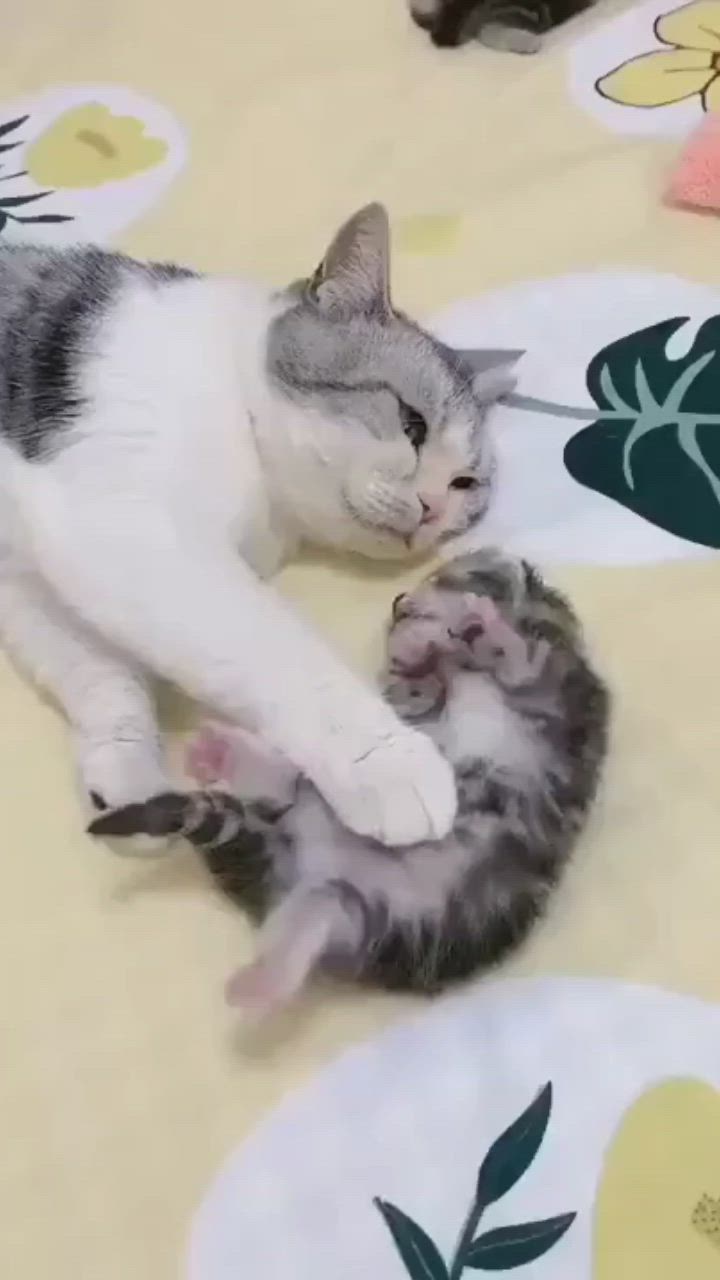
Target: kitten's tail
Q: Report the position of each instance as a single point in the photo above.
(202, 817)
(307, 926)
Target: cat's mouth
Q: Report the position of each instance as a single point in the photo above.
(399, 522)
(378, 527)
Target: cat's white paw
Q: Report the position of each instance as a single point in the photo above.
(115, 774)
(400, 791)
(121, 773)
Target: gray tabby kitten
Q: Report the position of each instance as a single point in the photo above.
(490, 663)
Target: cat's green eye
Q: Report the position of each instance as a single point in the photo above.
(464, 482)
(414, 426)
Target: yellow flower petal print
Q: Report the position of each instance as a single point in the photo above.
(656, 1213)
(659, 79)
(428, 233)
(695, 26)
(89, 146)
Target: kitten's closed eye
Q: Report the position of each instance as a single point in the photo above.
(464, 482)
(414, 426)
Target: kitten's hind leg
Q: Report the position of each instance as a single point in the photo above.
(308, 926)
(241, 762)
(108, 705)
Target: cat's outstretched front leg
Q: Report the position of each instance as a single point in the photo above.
(109, 705)
(191, 611)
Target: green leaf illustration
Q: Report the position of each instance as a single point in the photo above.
(655, 443)
(10, 125)
(420, 1255)
(13, 202)
(514, 1151)
(509, 1247)
(46, 217)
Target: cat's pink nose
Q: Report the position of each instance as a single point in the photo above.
(432, 507)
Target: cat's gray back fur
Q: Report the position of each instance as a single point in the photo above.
(363, 368)
(52, 304)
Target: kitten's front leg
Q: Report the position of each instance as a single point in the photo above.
(197, 615)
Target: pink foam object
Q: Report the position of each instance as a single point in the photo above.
(695, 184)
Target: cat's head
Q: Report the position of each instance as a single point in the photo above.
(388, 446)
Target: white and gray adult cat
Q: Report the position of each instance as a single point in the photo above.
(490, 663)
(168, 440)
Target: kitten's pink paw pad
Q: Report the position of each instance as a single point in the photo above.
(481, 614)
(208, 757)
(253, 988)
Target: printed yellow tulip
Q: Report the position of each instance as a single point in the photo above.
(88, 146)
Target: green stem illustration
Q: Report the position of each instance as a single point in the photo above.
(533, 404)
(649, 415)
(467, 1235)
(505, 1247)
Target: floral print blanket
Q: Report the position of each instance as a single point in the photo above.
(556, 1128)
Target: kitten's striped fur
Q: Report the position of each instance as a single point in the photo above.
(526, 750)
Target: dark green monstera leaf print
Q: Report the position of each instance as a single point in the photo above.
(655, 443)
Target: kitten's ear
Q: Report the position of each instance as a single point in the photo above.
(354, 276)
(494, 371)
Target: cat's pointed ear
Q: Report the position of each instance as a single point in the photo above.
(493, 371)
(354, 276)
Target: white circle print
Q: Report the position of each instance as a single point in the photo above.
(496, 1109)
(582, 479)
